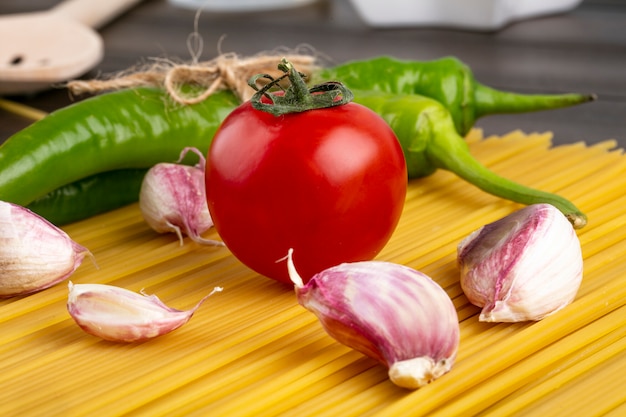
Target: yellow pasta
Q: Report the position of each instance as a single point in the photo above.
(253, 351)
(590, 360)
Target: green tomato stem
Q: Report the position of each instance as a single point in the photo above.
(297, 97)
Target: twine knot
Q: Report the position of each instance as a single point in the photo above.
(225, 72)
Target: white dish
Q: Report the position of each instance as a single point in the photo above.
(465, 14)
(238, 5)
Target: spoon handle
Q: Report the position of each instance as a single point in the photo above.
(94, 14)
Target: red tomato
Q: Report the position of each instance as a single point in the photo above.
(329, 183)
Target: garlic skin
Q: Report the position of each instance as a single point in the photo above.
(525, 266)
(172, 198)
(389, 312)
(34, 253)
(120, 315)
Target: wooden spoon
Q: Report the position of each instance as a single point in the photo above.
(42, 48)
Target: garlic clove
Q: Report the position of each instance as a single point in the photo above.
(172, 199)
(34, 253)
(522, 267)
(120, 315)
(389, 312)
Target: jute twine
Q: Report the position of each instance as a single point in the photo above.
(226, 71)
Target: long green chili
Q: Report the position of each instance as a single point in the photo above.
(126, 129)
(87, 197)
(446, 80)
(90, 157)
(429, 140)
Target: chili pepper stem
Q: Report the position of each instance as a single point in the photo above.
(451, 152)
(491, 101)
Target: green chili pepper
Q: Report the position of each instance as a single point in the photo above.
(126, 129)
(89, 196)
(446, 80)
(84, 144)
(429, 140)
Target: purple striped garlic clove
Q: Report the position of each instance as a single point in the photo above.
(34, 253)
(522, 267)
(172, 199)
(120, 315)
(389, 312)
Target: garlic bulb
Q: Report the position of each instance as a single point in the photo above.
(524, 266)
(119, 315)
(389, 312)
(34, 253)
(172, 198)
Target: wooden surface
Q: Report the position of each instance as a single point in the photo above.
(583, 51)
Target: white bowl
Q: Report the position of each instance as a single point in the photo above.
(465, 14)
(238, 5)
